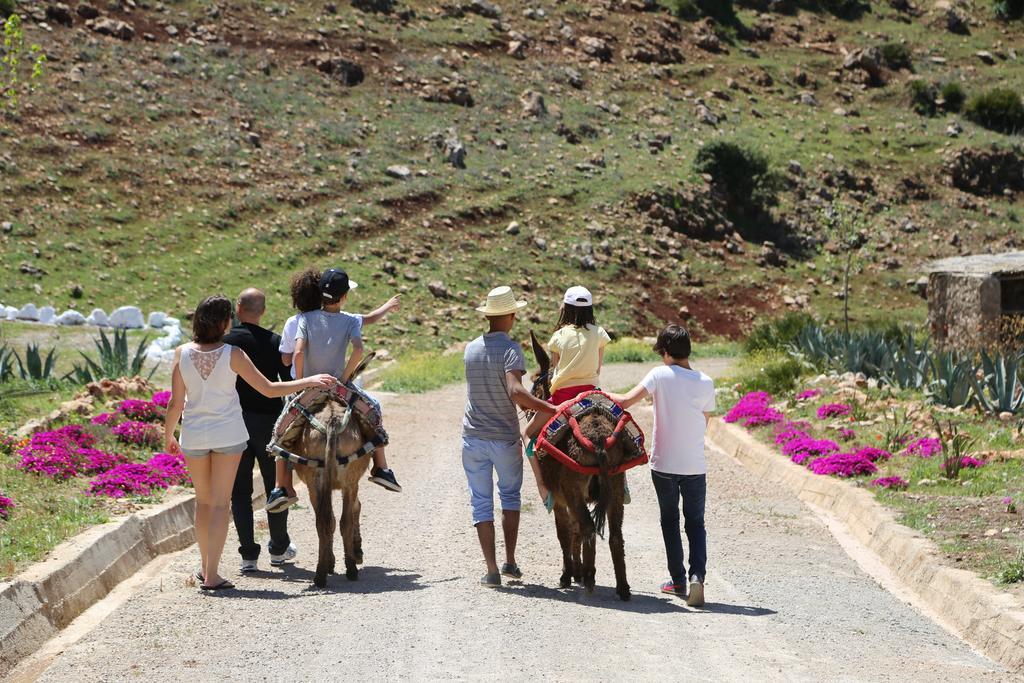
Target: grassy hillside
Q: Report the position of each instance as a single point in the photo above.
(212, 151)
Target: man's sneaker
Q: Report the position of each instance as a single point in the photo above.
(279, 500)
(696, 596)
(248, 566)
(287, 556)
(672, 588)
(385, 478)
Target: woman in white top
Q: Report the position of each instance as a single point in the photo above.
(213, 434)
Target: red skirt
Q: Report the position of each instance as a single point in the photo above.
(569, 393)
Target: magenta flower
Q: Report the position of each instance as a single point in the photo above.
(143, 411)
(162, 398)
(973, 463)
(790, 431)
(873, 454)
(892, 483)
(55, 454)
(753, 410)
(96, 461)
(6, 507)
(833, 410)
(925, 447)
(847, 434)
(843, 465)
(171, 467)
(138, 433)
(808, 395)
(127, 479)
(801, 450)
(103, 419)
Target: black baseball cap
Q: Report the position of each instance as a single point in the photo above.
(334, 284)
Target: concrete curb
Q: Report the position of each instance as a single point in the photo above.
(989, 619)
(49, 595)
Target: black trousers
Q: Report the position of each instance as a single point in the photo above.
(261, 428)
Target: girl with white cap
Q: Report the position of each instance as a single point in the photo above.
(576, 347)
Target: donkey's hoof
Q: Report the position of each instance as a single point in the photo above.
(320, 582)
(565, 581)
(352, 573)
(359, 557)
(624, 593)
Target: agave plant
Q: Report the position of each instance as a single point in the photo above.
(911, 363)
(115, 359)
(35, 366)
(6, 364)
(952, 380)
(870, 353)
(1000, 389)
(814, 346)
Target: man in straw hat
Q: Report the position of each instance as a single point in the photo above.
(490, 429)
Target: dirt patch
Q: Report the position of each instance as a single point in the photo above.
(728, 313)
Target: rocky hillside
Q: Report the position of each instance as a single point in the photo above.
(680, 165)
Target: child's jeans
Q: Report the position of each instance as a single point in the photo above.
(692, 488)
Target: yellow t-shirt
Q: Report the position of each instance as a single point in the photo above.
(579, 355)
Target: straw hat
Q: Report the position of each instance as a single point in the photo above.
(501, 301)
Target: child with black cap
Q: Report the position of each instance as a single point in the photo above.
(321, 346)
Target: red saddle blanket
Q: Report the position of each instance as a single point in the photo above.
(566, 420)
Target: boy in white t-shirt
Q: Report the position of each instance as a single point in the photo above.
(683, 401)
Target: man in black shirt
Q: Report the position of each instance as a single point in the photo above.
(260, 413)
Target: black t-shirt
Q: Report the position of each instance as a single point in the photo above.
(261, 346)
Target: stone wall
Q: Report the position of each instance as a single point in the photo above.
(963, 310)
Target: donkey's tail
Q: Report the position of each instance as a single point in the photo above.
(604, 489)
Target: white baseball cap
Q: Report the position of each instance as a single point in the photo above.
(578, 296)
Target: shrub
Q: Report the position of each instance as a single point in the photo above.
(1008, 10)
(897, 56)
(7, 8)
(744, 178)
(778, 333)
(953, 96)
(721, 11)
(999, 109)
(922, 97)
(629, 351)
(770, 371)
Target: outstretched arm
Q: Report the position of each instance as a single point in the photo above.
(637, 394)
(392, 304)
(523, 398)
(241, 364)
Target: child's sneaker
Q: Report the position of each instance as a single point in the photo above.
(696, 596)
(385, 478)
(672, 588)
(279, 500)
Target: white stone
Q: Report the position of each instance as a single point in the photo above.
(127, 317)
(70, 318)
(28, 312)
(10, 313)
(98, 317)
(47, 315)
(157, 319)
(162, 348)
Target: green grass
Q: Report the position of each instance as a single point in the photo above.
(418, 373)
(629, 350)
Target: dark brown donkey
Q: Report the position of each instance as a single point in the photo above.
(344, 435)
(576, 524)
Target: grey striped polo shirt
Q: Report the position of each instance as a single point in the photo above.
(490, 413)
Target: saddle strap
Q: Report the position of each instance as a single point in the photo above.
(310, 417)
(343, 460)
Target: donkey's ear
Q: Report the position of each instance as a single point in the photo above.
(543, 360)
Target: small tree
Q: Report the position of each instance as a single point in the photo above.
(15, 60)
(845, 226)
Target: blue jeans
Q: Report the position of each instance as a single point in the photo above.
(481, 458)
(692, 488)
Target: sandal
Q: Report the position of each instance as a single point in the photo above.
(511, 570)
(223, 585)
(491, 580)
(199, 576)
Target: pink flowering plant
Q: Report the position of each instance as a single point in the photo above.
(140, 479)
(843, 465)
(830, 410)
(140, 411)
(753, 410)
(891, 483)
(924, 447)
(6, 507)
(162, 399)
(137, 433)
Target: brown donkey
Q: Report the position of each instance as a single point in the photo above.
(344, 435)
(576, 524)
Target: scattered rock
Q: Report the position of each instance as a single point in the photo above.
(454, 94)
(28, 312)
(985, 56)
(533, 104)
(112, 27)
(60, 13)
(347, 73)
(400, 172)
(438, 289)
(867, 63)
(70, 318)
(957, 21)
(87, 11)
(986, 172)
(379, 6)
(596, 48)
(512, 229)
(689, 211)
(485, 9)
(127, 317)
(455, 152)
(705, 115)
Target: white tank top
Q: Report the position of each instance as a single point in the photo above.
(213, 414)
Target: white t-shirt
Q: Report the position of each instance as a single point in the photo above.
(291, 327)
(681, 397)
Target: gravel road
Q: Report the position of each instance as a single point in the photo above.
(785, 603)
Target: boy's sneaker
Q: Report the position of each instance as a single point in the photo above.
(287, 556)
(385, 478)
(279, 500)
(248, 566)
(672, 588)
(696, 596)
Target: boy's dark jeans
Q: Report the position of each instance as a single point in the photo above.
(260, 428)
(692, 488)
